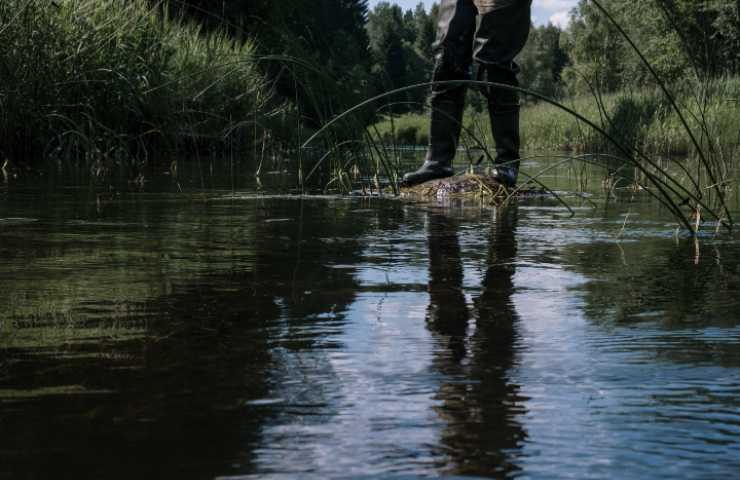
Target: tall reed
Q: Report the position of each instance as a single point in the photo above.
(658, 182)
(108, 80)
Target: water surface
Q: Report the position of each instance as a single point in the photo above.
(220, 333)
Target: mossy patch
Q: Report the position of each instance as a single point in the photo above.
(468, 186)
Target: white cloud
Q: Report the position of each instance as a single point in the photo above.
(544, 11)
(555, 5)
(561, 19)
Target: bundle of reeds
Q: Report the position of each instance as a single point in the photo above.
(82, 80)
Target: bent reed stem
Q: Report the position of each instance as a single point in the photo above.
(673, 103)
(664, 189)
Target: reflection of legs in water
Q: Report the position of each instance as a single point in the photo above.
(447, 313)
(494, 349)
(494, 306)
(479, 404)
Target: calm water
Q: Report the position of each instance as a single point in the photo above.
(219, 334)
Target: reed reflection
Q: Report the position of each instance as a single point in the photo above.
(477, 349)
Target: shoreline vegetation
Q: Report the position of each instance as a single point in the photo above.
(99, 80)
(104, 83)
(643, 119)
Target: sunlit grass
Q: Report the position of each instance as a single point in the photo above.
(640, 118)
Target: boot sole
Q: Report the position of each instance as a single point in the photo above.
(406, 183)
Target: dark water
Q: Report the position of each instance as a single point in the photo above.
(213, 335)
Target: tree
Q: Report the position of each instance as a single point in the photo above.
(676, 37)
(595, 50)
(727, 31)
(396, 62)
(709, 30)
(319, 48)
(385, 29)
(543, 60)
(426, 30)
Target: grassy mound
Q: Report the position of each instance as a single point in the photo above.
(468, 186)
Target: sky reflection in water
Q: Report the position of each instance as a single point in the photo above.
(337, 337)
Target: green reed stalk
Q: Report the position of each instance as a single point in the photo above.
(664, 189)
(674, 105)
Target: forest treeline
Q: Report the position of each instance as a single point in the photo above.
(136, 77)
(372, 50)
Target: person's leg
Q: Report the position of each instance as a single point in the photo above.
(501, 35)
(453, 53)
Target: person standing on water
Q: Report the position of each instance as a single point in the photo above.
(491, 33)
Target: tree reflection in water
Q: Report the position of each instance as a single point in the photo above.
(478, 402)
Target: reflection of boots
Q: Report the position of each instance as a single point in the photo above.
(505, 129)
(446, 123)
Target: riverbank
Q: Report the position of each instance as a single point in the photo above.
(643, 119)
(107, 81)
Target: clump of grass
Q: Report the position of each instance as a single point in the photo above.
(467, 186)
(108, 80)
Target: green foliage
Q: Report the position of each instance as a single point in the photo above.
(642, 120)
(542, 61)
(315, 52)
(401, 47)
(117, 78)
(408, 129)
(595, 50)
(329, 40)
(726, 31)
(709, 30)
(386, 30)
(677, 37)
(104, 80)
(425, 29)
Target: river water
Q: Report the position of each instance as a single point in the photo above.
(222, 333)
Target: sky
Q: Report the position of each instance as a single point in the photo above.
(543, 11)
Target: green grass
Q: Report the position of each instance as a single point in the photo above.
(641, 119)
(117, 79)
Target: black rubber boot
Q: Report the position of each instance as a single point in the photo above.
(505, 129)
(503, 110)
(444, 132)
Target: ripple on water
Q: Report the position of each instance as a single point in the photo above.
(397, 341)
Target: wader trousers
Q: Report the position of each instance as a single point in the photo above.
(489, 33)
